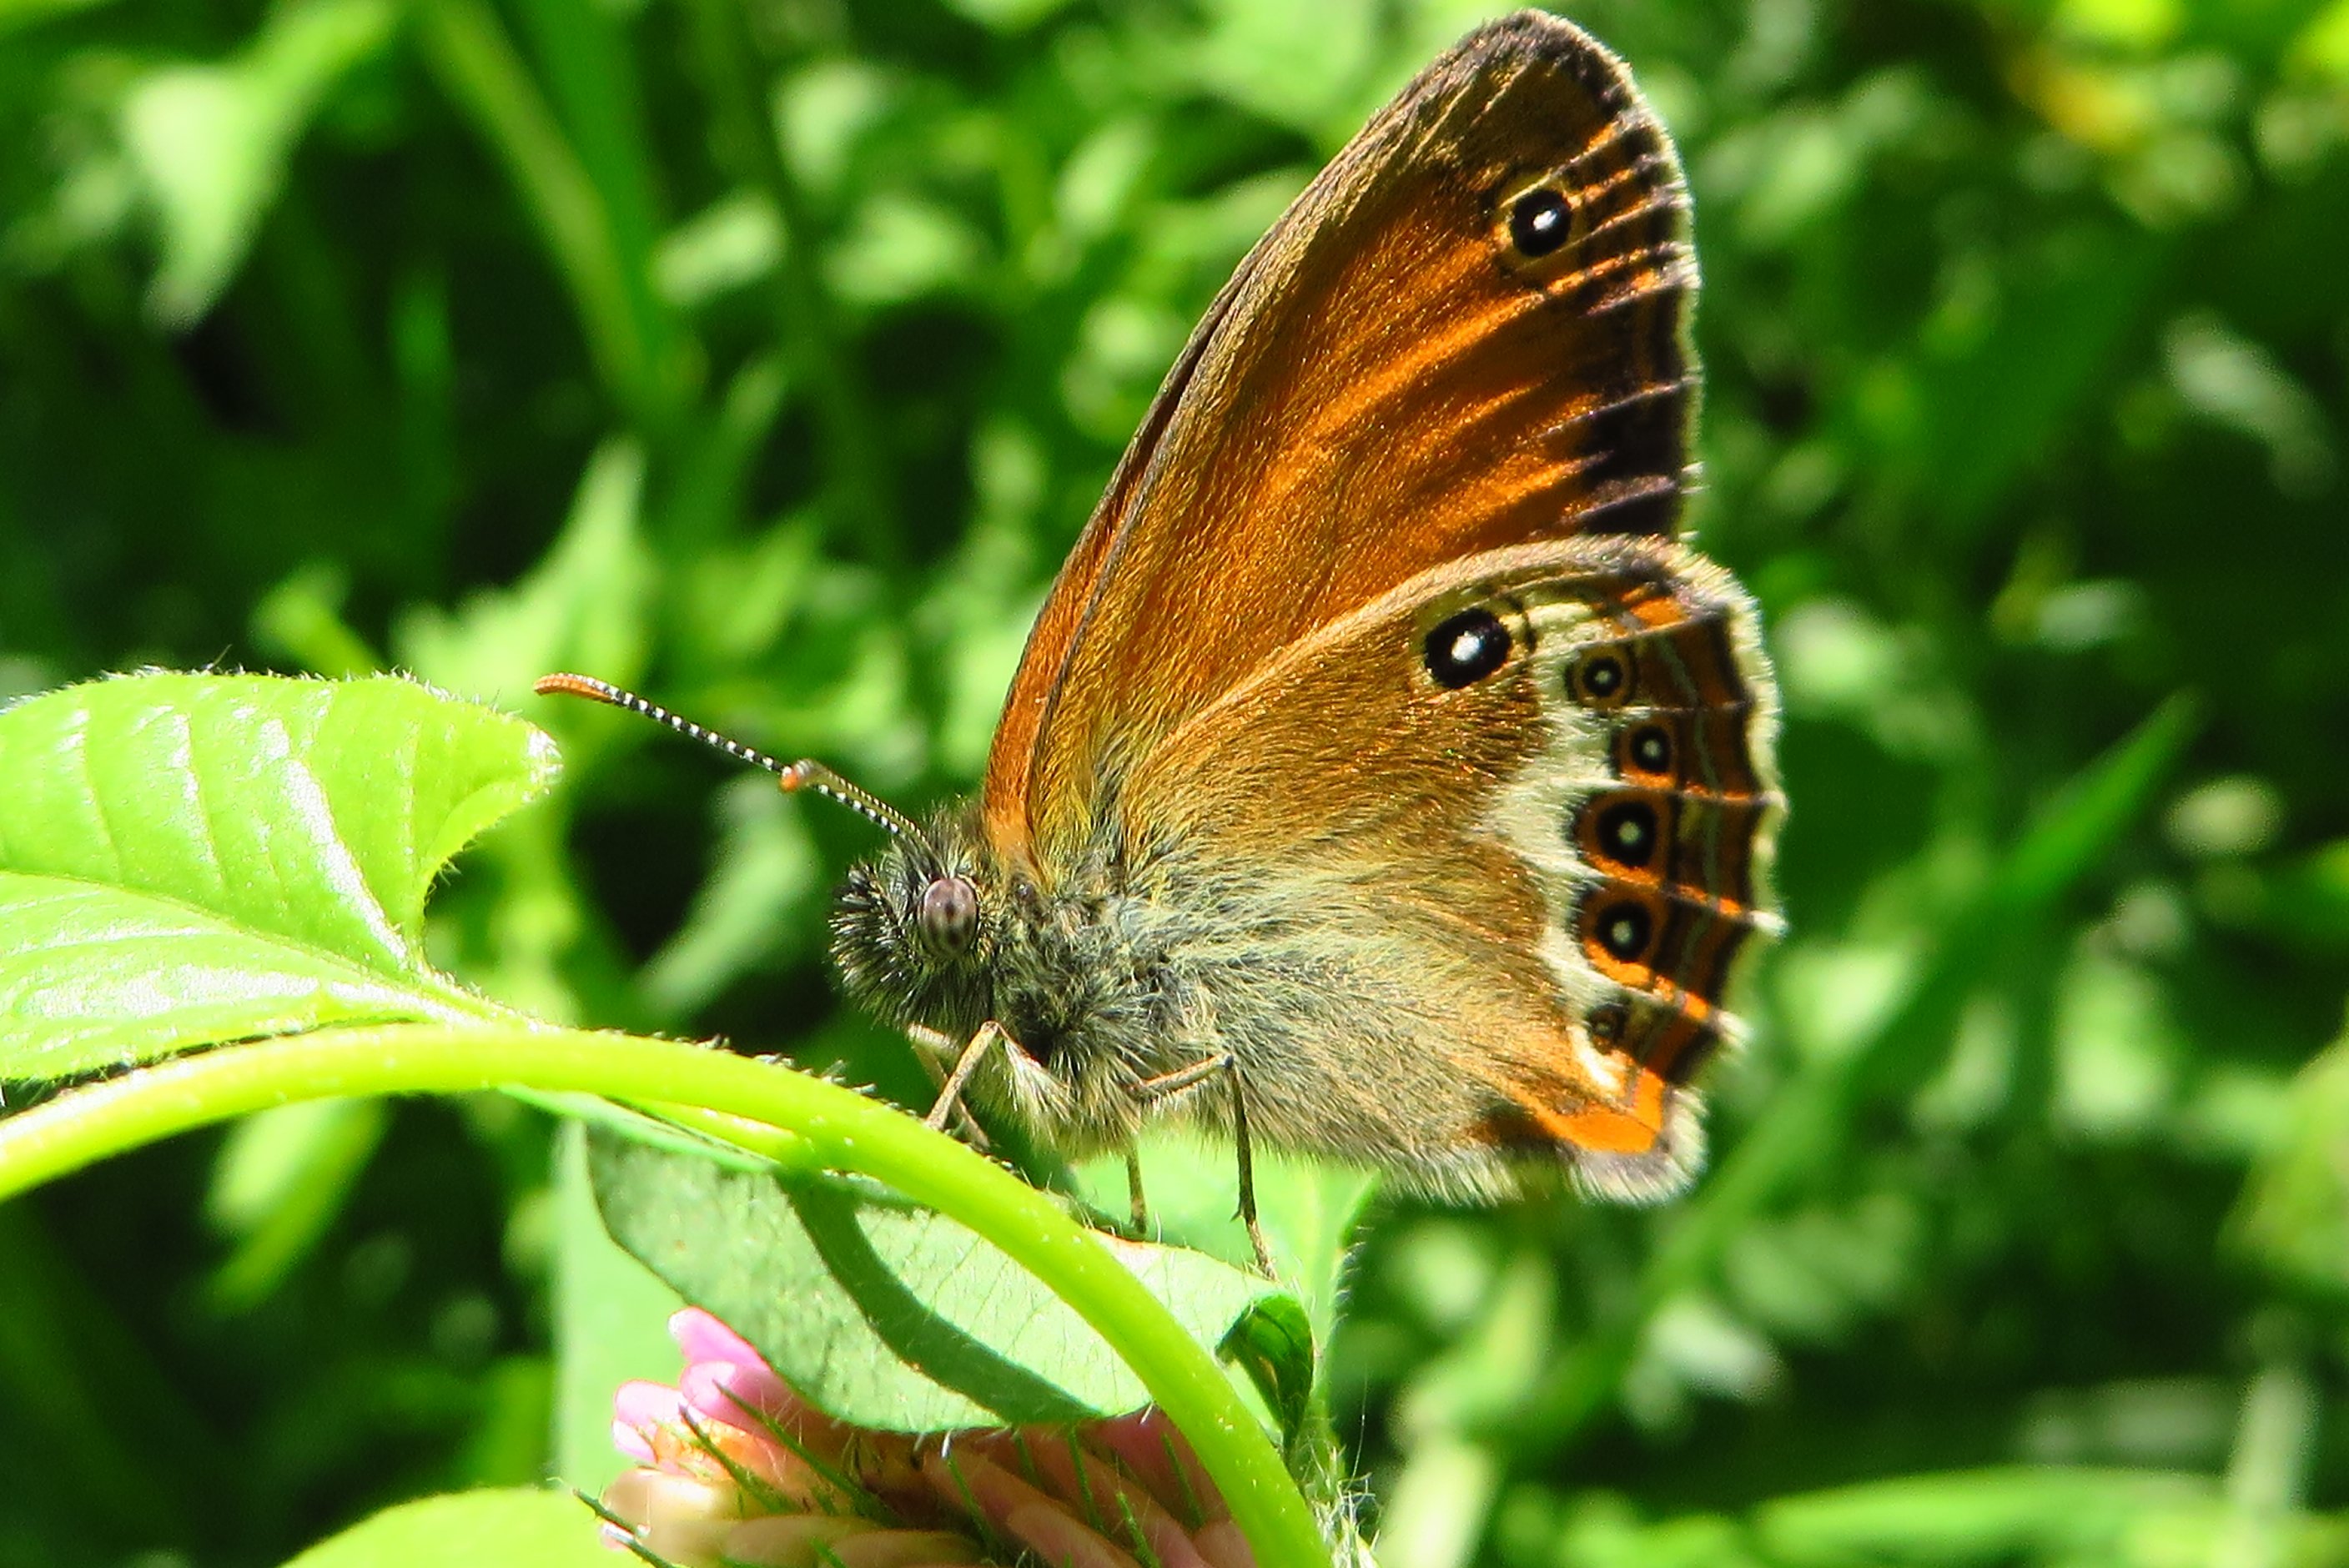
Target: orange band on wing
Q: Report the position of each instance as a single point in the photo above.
(1631, 1128)
(1633, 1125)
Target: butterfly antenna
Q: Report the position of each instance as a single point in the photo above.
(793, 777)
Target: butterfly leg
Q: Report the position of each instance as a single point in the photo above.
(931, 1048)
(989, 1035)
(1133, 1192)
(1191, 1076)
(1247, 1174)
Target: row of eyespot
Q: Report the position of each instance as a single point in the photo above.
(1473, 644)
(1628, 932)
(1627, 834)
(1628, 831)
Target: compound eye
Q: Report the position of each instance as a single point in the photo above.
(949, 916)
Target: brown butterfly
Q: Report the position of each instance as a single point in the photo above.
(1384, 779)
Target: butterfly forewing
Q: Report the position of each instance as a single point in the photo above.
(1469, 332)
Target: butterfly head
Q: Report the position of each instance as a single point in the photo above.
(911, 928)
(909, 924)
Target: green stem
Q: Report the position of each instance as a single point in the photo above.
(481, 70)
(745, 139)
(842, 1129)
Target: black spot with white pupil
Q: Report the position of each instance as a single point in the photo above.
(1651, 749)
(1602, 677)
(1467, 647)
(1623, 930)
(1628, 832)
(1541, 221)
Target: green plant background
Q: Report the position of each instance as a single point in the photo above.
(768, 356)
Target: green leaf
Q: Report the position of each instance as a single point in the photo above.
(610, 1319)
(1299, 67)
(582, 606)
(188, 860)
(1007, 16)
(884, 1313)
(1273, 1344)
(1984, 1515)
(510, 1529)
(279, 1181)
(211, 142)
(762, 901)
(2006, 399)
(1309, 1211)
(465, 45)
(2294, 1213)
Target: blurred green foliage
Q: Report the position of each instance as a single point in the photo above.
(768, 354)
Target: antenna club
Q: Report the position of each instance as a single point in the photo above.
(563, 684)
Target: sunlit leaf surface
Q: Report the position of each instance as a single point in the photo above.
(514, 1529)
(192, 859)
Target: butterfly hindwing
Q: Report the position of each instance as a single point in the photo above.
(1533, 790)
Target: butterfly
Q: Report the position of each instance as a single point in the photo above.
(1384, 778)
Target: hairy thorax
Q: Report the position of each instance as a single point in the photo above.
(1076, 971)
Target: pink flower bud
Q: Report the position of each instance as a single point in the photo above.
(732, 1467)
